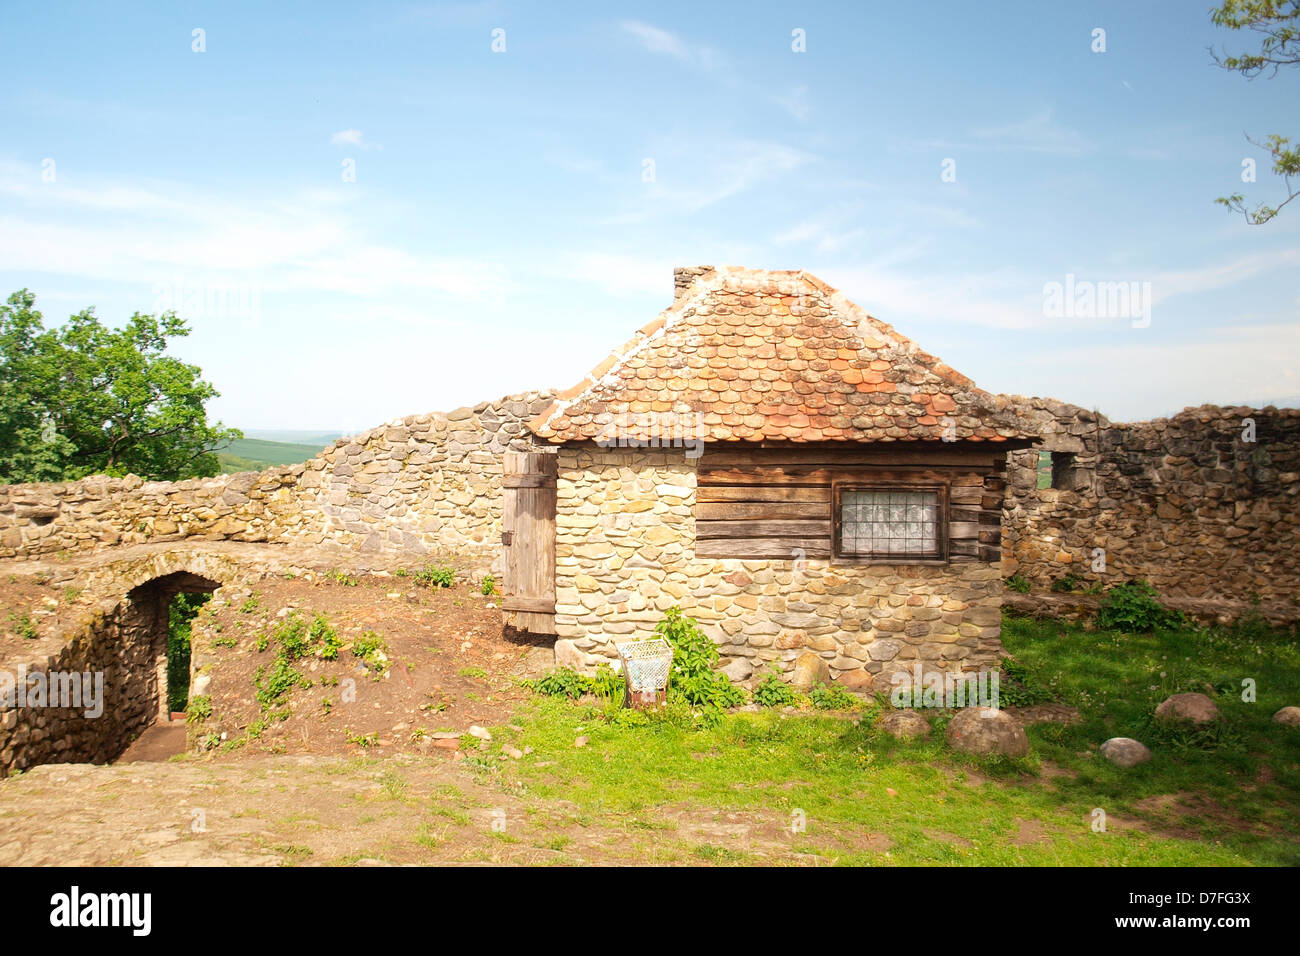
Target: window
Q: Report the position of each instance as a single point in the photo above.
(1063, 476)
(890, 523)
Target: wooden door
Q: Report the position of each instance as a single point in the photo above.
(528, 541)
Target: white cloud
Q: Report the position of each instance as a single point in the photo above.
(655, 40)
(353, 137)
(795, 103)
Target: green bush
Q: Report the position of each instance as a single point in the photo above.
(1018, 583)
(771, 691)
(1066, 583)
(692, 675)
(1135, 606)
(436, 576)
(833, 697)
(489, 586)
(566, 682)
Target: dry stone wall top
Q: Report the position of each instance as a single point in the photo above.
(425, 483)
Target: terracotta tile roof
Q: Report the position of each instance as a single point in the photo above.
(750, 355)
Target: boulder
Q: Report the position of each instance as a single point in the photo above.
(809, 671)
(568, 655)
(982, 730)
(1125, 752)
(1288, 716)
(1192, 708)
(905, 724)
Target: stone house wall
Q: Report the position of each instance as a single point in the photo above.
(1182, 502)
(625, 552)
(425, 483)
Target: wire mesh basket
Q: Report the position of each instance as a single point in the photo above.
(646, 665)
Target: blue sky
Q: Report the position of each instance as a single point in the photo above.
(501, 233)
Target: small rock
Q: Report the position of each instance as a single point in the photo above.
(1288, 717)
(905, 724)
(982, 730)
(581, 741)
(447, 743)
(513, 753)
(480, 732)
(1125, 751)
(1193, 708)
(891, 791)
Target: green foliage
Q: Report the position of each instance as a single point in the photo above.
(435, 576)
(199, 709)
(372, 650)
(771, 691)
(1066, 583)
(340, 577)
(363, 740)
(249, 606)
(180, 618)
(1018, 583)
(274, 683)
(85, 398)
(692, 675)
(560, 682)
(1135, 606)
(1277, 23)
(833, 697)
(489, 586)
(566, 682)
(23, 626)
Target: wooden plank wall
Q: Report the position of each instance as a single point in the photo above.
(769, 502)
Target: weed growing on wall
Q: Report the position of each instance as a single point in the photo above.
(1135, 606)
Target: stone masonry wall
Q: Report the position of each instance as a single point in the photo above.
(1183, 502)
(420, 484)
(122, 644)
(625, 552)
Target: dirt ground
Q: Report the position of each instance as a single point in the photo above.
(447, 667)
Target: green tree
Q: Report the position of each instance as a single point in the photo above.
(1277, 22)
(85, 399)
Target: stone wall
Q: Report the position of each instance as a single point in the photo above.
(1182, 502)
(625, 552)
(426, 483)
(123, 645)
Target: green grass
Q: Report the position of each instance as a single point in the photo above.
(868, 798)
(256, 454)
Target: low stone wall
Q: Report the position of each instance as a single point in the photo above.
(1184, 502)
(423, 483)
(625, 552)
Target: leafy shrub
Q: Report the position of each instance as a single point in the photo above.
(1135, 606)
(436, 576)
(566, 682)
(1066, 583)
(370, 647)
(199, 709)
(833, 697)
(692, 675)
(1018, 583)
(280, 679)
(489, 586)
(771, 691)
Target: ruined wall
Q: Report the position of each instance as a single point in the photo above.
(1183, 502)
(625, 552)
(121, 644)
(424, 483)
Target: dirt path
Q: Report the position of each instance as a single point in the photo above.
(159, 742)
(309, 810)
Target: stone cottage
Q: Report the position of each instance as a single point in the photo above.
(795, 474)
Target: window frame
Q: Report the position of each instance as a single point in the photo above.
(939, 556)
